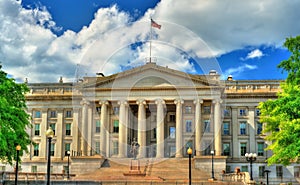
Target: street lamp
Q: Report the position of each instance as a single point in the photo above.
(49, 135)
(190, 151)
(251, 158)
(18, 148)
(68, 172)
(267, 172)
(212, 164)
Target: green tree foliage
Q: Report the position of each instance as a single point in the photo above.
(282, 116)
(13, 118)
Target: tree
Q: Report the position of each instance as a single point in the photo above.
(282, 115)
(13, 118)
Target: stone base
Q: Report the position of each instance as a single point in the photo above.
(251, 182)
(212, 179)
(134, 169)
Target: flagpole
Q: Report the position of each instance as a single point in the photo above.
(150, 37)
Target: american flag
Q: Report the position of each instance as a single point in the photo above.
(154, 24)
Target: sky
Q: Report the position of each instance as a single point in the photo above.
(43, 40)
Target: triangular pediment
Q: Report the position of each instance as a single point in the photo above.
(151, 75)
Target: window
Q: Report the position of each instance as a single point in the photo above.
(115, 147)
(243, 148)
(97, 148)
(116, 110)
(261, 170)
(206, 125)
(279, 171)
(2, 168)
(244, 169)
(33, 169)
(226, 112)
(259, 127)
(228, 169)
(66, 169)
(37, 129)
(52, 125)
(52, 149)
(172, 118)
(53, 114)
(207, 148)
(98, 109)
(257, 112)
(98, 126)
(172, 132)
(242, 112)
(67, 148)
(37, 114)
(226, 149)
(226, 128)
(188, 125)
(154, 133)
(260, 149)
(116, 126)
(206, 109)
(243, 128)
(188, 109)
(68, 129)
(36, 149)
(68, 114)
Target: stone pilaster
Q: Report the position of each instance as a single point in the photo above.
(142, 128)
(160, 129)
(122, 128)
(179, 128)
(104, 127)
(198, 126)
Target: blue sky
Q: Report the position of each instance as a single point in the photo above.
(44, 39)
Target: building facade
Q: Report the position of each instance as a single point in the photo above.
(166, 111)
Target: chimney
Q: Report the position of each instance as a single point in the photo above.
(212, 72)
(61, 80)
(229, 78)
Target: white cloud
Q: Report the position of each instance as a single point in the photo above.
(197, 29)
(254, 54)
(236, 72)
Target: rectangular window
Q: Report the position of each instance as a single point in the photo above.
(36, 149)
(206, 109)
(116, 110)
(260, 149)
(243, 128)
(226, 128)
(98, 110)
(261, 170)
(68, 129)
(207, 148)
(188, 125)
(242, 112)
(243, 148)
(98, 126)
(33, 169)
(97, 148)
(67, 148)
(244, 169)
(172, 118)
(206, 125)
(259, 128)
(37, 129)
(52, 125)
(116, 126)
(228, 169)
(279, 171)
(154, 133)
(257, 112)
(37, 114)
(172, 132)
(188, 109)
(52, 149)
(226, 112)
(115, 147)
(68, 114)
(53, 114)
(226, 149)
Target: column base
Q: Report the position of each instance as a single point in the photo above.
(212, 179)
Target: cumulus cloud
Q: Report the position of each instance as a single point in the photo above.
(254, 54)
(195, 29)
(237, 71)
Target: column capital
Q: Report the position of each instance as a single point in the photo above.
(141, 102)
(103, 102)
(84, 102)
(217, 101)
(179, 101)
(123, 102)
(198, 100)
(159, 101)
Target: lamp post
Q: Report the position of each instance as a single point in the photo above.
(251, 158)
(212, 164)
(49, 135)
(190, 151)
(267, 172)
(18, 148)
(68, 172)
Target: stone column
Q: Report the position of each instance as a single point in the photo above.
(84, 125)
(179, 128)
(235, 132)
(142, 128)
(44, 127)
(75, 126)
(251, 129)
(103, 127)
(198, 126)
(89, 131)
(122, 129)
(160, 129)
(217, 127)
(59, 152)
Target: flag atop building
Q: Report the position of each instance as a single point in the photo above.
(155, 25)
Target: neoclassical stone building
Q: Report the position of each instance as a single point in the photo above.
(165, 110)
